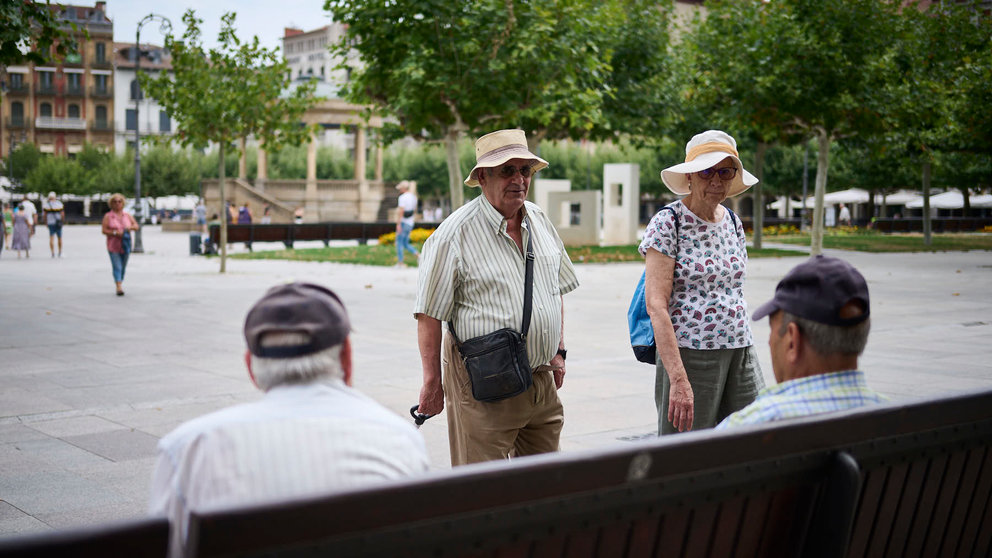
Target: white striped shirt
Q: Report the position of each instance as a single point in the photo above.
(298, 441)
(472, 274)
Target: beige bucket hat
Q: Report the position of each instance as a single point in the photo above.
(702, 152)
(496, 148)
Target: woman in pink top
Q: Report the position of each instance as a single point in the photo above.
(117, 226)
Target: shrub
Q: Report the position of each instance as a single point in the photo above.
(417, 235)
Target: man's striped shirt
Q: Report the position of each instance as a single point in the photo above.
(472, 274)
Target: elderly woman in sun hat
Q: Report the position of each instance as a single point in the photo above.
(695, 265)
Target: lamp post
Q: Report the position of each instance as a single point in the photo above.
(166, 28)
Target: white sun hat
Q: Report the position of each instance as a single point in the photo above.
(496, 148)
(702, 152)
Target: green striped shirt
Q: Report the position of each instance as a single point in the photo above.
(472, 274)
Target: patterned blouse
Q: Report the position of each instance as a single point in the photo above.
(707, 305)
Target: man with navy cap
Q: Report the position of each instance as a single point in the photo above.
(310, 434)
(819, 321)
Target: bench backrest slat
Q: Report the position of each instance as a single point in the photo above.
(146, 538)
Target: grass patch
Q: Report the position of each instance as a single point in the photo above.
(386, 255)
(876, 242)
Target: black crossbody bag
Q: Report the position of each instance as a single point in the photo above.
(497, 362)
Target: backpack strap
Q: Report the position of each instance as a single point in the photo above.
(675, 215)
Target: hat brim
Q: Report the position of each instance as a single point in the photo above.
(501, 156)
(766, 309)
(677, 180)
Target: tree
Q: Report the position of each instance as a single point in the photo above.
(29, 31)
(21, 161)
(229, 93)
(167, 172)
(59, 174)
(806, 68)
(446, 68)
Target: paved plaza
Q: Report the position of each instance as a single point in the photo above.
(90, 381)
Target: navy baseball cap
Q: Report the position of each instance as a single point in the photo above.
(305, 308)
(817, 289)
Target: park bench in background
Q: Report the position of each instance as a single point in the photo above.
(889, 480)
(146, 538)
(288, 233)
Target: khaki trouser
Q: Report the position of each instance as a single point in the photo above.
(527, 424)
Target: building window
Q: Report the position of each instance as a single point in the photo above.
(45, 83)
(101, 84)
(16, 81)
(131, 119)
(164, 124)
(101, 53)
(136, 90)
(101, 115)
(17, 113)
(45, 109)
(74, 111)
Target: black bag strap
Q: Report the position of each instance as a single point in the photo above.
(528, 278)
(528, 285)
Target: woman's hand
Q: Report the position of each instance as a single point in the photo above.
(680, 404)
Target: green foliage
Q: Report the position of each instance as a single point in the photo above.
(166, 172)
(21, 161)
(58, 174)
(36, 29)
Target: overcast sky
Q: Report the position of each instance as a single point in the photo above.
(262, 18)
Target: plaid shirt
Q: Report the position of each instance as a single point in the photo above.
(821, 393)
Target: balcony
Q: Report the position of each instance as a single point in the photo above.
(52, 123)
(75, 91)
(102, 126)
(14, 123)
(100, 64)
(47, 89)
(101, 92)
(19, 89)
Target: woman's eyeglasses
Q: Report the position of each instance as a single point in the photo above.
(508, 171)
(726, 173)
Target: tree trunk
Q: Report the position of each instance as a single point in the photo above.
(820, 188)
(966, 208)
(455, 177)
(224, 215)
(926, 201)
(759, 202)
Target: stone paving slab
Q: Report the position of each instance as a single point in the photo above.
(89, 381)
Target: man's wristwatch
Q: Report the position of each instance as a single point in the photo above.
(562, 353)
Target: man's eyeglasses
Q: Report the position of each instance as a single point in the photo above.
(726, 173)
(507, 171)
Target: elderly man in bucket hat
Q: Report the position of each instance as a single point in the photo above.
(472, 275)
(695, 255)
(310, 434)
(819, 319)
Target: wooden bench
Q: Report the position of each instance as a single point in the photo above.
(288, 233)
(147, 538)
(889, 480)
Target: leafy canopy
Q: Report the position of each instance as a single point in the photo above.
(29, 30)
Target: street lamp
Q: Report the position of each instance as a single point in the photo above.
(165, 27)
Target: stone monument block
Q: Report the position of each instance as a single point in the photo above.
(543, 186)
(621, 193)
(576, 216)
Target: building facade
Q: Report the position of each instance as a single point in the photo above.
(63, 104)
(147, 116)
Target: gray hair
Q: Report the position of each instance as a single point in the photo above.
(271, 372)
(828, 339)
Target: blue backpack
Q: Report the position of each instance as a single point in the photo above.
(638, 320)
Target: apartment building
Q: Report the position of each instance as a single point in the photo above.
(147, 116)
(63, 104)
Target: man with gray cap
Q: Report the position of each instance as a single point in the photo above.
(310, 434)
(473, 271)
(819, 321)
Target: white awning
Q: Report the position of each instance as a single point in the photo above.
(852, 195)
(947, 200)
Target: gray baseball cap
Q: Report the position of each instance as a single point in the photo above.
(305, 308)
(817, 289)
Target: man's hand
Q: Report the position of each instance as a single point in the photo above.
(680, 404)
(431, 399)
(558, 369)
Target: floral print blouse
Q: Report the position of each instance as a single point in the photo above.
(707, 305)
